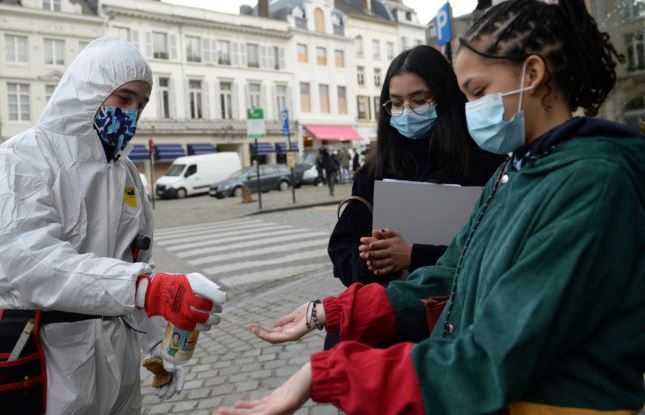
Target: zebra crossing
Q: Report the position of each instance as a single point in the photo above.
(246, 251)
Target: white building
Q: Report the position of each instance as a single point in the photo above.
(375, 37)
(209, 68)
(38, 40)
(323, 69)
(411, 32)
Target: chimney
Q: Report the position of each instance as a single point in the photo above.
(263, 8)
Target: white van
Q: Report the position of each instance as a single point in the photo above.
(195, 174)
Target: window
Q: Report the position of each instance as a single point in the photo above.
(164, 97)
(377, 76)
(323, 92)
(122, 32)
(319, 20)
(302, 53)
(193, 49)
(321, 56)
(255, 95)
(390, 50)
(377, 107)
(342, 100)
(192, 169)
(635, 52)
(160, 45)
(15, 49)
(363, 107)
(404, 43)
(280, 98)
(359, 46)
(49, 91)
(54, 52)
(253, 55)
(337, 23)
(18, 97)
(195, 98)
(360, 75)
(340, 58)
(300, 18)
(305, 97)
(226, 100)
(633, 8)
(276, 57)
(223, 52)
(408, 16)
(376, 49)
(51, 5)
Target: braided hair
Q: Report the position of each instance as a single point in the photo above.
(580, 59)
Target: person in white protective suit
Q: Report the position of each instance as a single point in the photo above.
(71, 205)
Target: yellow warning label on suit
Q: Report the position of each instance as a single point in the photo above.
(130, 197)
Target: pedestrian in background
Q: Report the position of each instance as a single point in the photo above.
(331, 166)
(356, 162)
(320, 166)
(546, 281)
(345, 159)
(75, 235)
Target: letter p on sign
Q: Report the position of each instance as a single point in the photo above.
(443, 26)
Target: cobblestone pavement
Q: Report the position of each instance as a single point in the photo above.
(230, 363)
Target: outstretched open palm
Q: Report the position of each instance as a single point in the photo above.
(289, 328)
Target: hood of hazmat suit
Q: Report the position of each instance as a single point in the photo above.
(67, 220)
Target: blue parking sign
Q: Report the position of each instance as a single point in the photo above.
(443, 25)
(284, 116)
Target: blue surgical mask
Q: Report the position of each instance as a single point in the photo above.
(115, 126)
(412, 125)
(485, 119)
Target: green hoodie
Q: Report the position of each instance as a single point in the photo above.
(550, 301)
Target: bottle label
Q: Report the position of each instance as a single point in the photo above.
(178, 345)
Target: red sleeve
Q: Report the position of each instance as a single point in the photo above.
(362, 312)
(362, 380)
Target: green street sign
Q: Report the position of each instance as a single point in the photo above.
(255, 127)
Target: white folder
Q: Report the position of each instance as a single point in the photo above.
(423, 213)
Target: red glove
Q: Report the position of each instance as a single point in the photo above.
(172, 297)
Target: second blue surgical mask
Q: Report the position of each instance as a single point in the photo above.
(412, 125)
(485, 119)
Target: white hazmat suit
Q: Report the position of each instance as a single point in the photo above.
(67, 220)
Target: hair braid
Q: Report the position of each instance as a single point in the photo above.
(580, 58)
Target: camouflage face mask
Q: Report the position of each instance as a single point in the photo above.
(115, 126)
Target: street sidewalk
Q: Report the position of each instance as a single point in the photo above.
(230, 363)
(193, 210)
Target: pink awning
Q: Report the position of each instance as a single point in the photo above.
(333, 132)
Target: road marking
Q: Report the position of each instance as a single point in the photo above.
(274, 274)
(206, 235)
(272, 250)
(188, 228)
(211, 229)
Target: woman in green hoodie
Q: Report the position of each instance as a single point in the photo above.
(546, 283)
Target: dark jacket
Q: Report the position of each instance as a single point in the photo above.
(356, 221)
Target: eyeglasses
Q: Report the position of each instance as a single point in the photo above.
(419, 106)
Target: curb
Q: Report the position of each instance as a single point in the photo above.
(295, 207)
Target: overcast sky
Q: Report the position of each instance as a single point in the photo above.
(426, 9)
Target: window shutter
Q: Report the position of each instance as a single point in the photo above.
(206, 50)
(235, 50)
(171, 99)
(281, 58)
(247, 102)
(156, 92)
(263, 101)
(172, 39)
(217, 104)
(242, 54)
(206, 114)
(276, 109)
(214, 51)
(148, 48)
(235, 101)
(187, 97)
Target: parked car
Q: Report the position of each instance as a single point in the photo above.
(272, 177)
(195, 174)
(305, 171)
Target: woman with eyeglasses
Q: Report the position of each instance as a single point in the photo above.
(422, 136)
